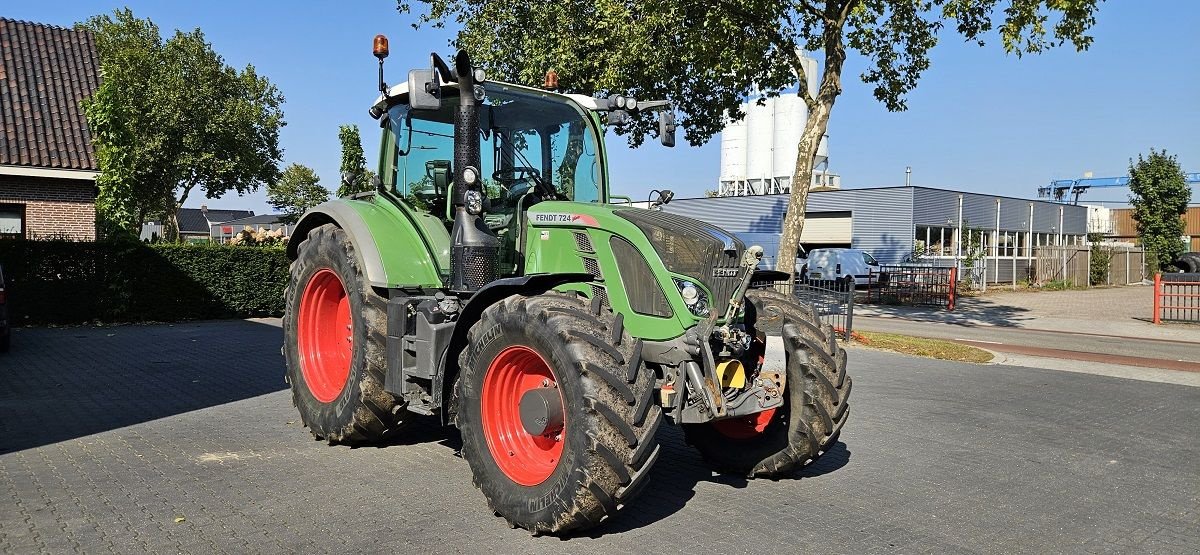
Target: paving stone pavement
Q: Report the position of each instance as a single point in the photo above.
(183, 439)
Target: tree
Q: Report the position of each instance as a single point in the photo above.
(297, 190)
(706, 57)
(170, 116)
(354, 163)
(1160, 196)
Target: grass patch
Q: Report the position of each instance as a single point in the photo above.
(924, 347)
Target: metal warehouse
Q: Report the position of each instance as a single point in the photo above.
(900, 224)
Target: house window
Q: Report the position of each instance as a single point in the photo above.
(12, 221)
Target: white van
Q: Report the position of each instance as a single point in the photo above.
(842, 267)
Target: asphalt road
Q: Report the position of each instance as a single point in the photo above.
(183, 439)
(1154, 352)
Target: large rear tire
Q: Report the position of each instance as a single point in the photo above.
(595, 441)
(773, 443)
(334, 330)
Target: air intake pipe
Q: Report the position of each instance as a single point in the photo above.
(474, 249)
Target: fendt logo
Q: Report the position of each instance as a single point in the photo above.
(725, 272)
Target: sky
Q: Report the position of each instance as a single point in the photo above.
(979, 120)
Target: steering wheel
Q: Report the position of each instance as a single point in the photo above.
(511, 176)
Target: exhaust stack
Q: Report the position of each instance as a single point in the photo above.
(474, 249)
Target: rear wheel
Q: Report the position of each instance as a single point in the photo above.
(556, 411)
(334, 344)
(777, 441)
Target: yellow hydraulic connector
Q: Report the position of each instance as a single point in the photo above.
(731, 373)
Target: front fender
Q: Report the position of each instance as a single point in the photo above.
(389, 248)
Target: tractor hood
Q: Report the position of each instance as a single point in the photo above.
(676, 248)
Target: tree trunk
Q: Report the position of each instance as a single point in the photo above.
(793, 222)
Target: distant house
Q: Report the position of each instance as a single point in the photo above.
(195, 224)
(47, 165)
(224, 232)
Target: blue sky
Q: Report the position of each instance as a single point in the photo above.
(979, 121)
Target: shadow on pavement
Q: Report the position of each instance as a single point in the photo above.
(63, 383)
(968, 311)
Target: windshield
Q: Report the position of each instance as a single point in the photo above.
(524, 138)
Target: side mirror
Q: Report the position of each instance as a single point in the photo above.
(666, 128)
(424, 90)
(664, 196)
(347, 178)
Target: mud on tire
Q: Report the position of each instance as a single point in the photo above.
(362, 412)
(608, 437)
(815, 404)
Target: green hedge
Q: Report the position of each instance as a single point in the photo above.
(64, 282)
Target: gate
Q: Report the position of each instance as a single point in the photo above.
(915, 285)
(1176, 298)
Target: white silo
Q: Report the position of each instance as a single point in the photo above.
(790, 117)
(733, 151)
(759, 141)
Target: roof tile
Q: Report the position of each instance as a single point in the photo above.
(45, 73)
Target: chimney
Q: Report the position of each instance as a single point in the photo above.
(204, 209)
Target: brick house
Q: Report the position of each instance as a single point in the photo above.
(47, 165)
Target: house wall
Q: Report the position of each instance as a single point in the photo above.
(1125, 227)
(54, 208)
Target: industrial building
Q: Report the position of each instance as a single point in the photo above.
(899, 224)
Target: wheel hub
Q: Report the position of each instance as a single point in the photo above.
(542, 411)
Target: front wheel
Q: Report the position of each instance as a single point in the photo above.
(776, 441)
(556, 411)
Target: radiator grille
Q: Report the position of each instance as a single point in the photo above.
(598, 291)
(591, 266)
(583, 242)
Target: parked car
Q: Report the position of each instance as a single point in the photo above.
(845, 268)
(5, 327)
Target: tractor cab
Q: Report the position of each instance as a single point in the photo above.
(534, 146)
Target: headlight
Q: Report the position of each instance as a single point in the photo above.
(693, 296)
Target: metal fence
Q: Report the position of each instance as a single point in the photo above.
(835, 307)
(1176, 298)
(915, 285)
(1072, 265)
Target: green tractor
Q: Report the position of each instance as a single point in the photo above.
(489, 281)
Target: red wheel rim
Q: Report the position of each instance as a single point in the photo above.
(525, 458)
(745, 427)
(325, 335)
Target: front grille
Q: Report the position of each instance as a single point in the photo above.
(722, 288)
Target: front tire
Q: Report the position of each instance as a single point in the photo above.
(593, 447)
(334, 344)
(773, 443)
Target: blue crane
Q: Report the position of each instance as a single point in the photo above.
(1061, 189)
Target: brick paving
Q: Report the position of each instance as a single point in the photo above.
(183, 439)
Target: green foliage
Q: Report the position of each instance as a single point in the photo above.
(169, 116)
(706, 57)
(65, 282)
(1100, 260)
(354, 163)
(1160, 196)
(298, 189)
(1058, 285)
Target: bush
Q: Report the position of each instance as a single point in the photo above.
(64, 282)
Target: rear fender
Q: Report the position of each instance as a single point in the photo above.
(443, 381)
(389, 248)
